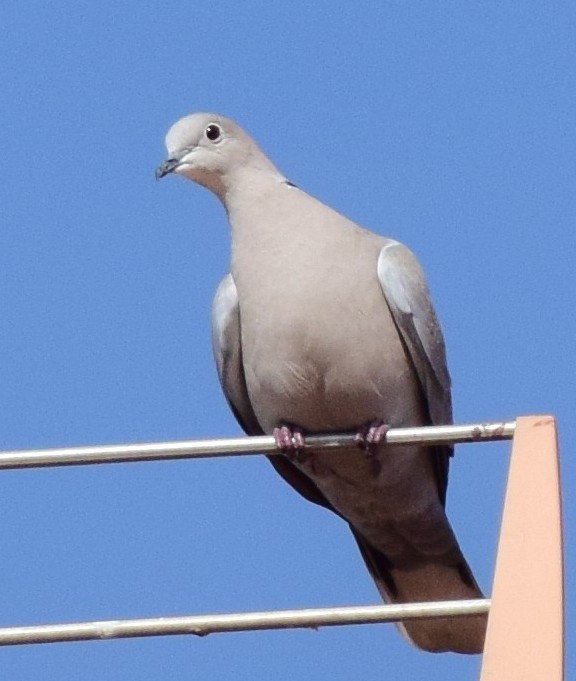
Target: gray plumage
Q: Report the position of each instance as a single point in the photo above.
(328, 327)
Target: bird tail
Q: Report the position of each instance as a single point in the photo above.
(429, 581)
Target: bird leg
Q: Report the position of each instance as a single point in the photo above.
(290, 441)
(371, 435)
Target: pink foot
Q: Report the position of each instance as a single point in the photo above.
(371, 435)
(290, 441)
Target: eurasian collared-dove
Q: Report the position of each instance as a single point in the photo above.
(322, 326)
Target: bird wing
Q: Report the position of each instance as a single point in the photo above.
(227, 348)
(404, 287)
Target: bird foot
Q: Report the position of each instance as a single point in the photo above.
(371, 435)
(290, 441)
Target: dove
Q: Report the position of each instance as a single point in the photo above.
(322, 326)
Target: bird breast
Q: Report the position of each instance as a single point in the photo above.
(309, 357)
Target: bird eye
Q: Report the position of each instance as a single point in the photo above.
(213, 132)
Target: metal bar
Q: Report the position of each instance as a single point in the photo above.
(198, 449)
(202, 625)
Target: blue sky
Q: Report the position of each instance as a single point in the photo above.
(449, 126)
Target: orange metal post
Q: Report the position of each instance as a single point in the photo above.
(524, 641)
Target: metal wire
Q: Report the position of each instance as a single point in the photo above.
(202, 625)
(242, 446)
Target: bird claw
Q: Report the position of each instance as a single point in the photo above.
(290, 441)
(370, 436)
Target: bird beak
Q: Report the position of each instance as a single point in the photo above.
(169, 166)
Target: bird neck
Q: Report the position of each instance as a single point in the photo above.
(248, 187)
